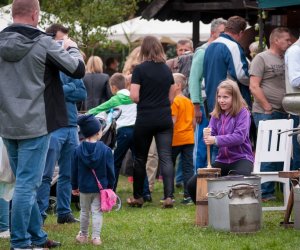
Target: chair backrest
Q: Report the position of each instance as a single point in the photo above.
(271, 146)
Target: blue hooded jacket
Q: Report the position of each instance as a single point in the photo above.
(92, 155)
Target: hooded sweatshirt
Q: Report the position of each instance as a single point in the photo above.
(232, 136)
(95, 156)
(31, 95)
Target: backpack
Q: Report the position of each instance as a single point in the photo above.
(108, 198)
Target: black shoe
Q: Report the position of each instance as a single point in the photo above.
(48, 244)
(147, 198)
(68, 218)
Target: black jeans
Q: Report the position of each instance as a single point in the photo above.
(143, 134)
(186, 152)
(240, 167)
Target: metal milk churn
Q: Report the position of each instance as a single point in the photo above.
(244, 208)
(297, 207)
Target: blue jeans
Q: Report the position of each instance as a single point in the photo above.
(62, 145)
(27, 159)
(186, 155)
(267, 188)
(4, 215)
(199, 155)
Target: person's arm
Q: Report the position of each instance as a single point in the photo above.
(135, 92)
(293, 65)
(110, 169)
(237, 64)
(111, 103)
(74, 89)
(195, 83)
(172, 93)
(69, 61)
(258, 93)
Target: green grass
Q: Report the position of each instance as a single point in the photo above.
(152, 227)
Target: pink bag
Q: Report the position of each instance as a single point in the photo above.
(108, 198)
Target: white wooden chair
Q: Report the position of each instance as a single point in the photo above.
(271, 147)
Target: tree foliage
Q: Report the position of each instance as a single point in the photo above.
(88, 19)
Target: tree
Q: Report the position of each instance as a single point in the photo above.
(88, 19)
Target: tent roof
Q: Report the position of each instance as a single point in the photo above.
(170, 31)
(276, 3)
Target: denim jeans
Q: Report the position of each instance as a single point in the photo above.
(143, 135)
(62, 145)
(125, 142)
(267, 188)
(296, 146)
(27, 159)
(90, 205)
(4, 215)
(186, 155)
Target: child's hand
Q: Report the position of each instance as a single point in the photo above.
(75, 192)
(209, 140)
(206, 132)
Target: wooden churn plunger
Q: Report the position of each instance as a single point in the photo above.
(201, 194)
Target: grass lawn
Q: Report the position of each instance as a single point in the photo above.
(152, 227)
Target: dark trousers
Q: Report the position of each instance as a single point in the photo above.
(186, 152)
(241, 167)
(143, 135)
(125, 142)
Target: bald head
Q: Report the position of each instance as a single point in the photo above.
(26, 11)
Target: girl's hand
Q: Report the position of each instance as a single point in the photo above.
(206, 132)
(209, 140)
(75, 192)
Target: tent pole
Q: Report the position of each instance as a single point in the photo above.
(196, 31)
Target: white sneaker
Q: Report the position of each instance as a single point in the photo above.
(5, 234)
(82, 239)
(96, 241)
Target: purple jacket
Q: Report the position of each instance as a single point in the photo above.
(232, 134)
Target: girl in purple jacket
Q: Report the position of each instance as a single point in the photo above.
(230, 124)
(229, 131)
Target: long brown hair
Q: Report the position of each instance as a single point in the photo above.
(238, 101)
(152, 50)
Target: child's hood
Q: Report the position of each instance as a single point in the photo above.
(92, 153)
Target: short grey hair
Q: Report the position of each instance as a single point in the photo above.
(216, 23)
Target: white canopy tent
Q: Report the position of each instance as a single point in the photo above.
(6, 18)
(167, 31)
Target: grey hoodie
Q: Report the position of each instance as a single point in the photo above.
(31, 95)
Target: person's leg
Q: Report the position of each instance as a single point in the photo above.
(68, 138)
(199, 154)
(175, 152)
(97, 217)
(187, 165)
(242, 167)
(142, 140)
(124, 140)
(27, 159)
(163, 140)
(179, 175)
(192, 187)
(152, 165)
(43, 192)
(85, 205)
(4, 218)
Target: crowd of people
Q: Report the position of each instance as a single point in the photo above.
(172, 110)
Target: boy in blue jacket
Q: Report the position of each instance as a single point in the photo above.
(91, 154)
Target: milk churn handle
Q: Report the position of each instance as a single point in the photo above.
(218, 195)
(291, 181)
(242, 184)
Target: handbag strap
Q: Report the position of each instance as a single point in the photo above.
(98, 182)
